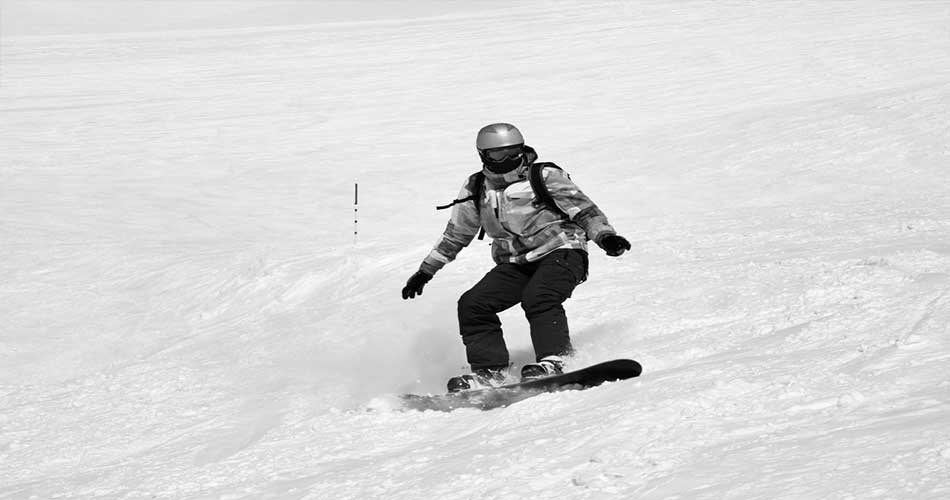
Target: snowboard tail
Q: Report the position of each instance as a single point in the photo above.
(500, 397)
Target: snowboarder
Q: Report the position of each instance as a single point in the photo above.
(539, 222)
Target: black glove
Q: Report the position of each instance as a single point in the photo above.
(415, 285)
(614, 244)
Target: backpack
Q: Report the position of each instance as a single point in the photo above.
(541, 193)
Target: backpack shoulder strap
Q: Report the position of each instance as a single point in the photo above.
(479, 185)
(540, 188)
(476, 186)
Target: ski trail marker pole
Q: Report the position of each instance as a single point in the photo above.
(356, 205)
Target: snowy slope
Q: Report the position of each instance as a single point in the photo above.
(184, 312)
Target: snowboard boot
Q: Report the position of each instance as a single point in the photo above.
(547, 366)
(483, 378)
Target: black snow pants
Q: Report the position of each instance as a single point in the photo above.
(541, 287)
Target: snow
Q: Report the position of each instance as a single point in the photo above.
(184, 312)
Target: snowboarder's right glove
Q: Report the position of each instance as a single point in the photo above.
(415, 284)
(614, 244)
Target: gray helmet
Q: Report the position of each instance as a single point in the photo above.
(498, 135)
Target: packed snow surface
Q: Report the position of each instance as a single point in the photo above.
(186, 313)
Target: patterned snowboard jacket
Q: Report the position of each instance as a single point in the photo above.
(522, 230)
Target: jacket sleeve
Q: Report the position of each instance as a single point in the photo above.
(572, 201)
(459, 232)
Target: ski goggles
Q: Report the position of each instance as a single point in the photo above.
(503, 153)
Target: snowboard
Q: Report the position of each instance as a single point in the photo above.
(500, 397)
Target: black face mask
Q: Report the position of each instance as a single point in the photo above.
(503, 160)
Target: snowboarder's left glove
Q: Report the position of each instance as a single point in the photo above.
(415, 284)
(614, 244)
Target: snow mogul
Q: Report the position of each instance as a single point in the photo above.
(539, 222)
